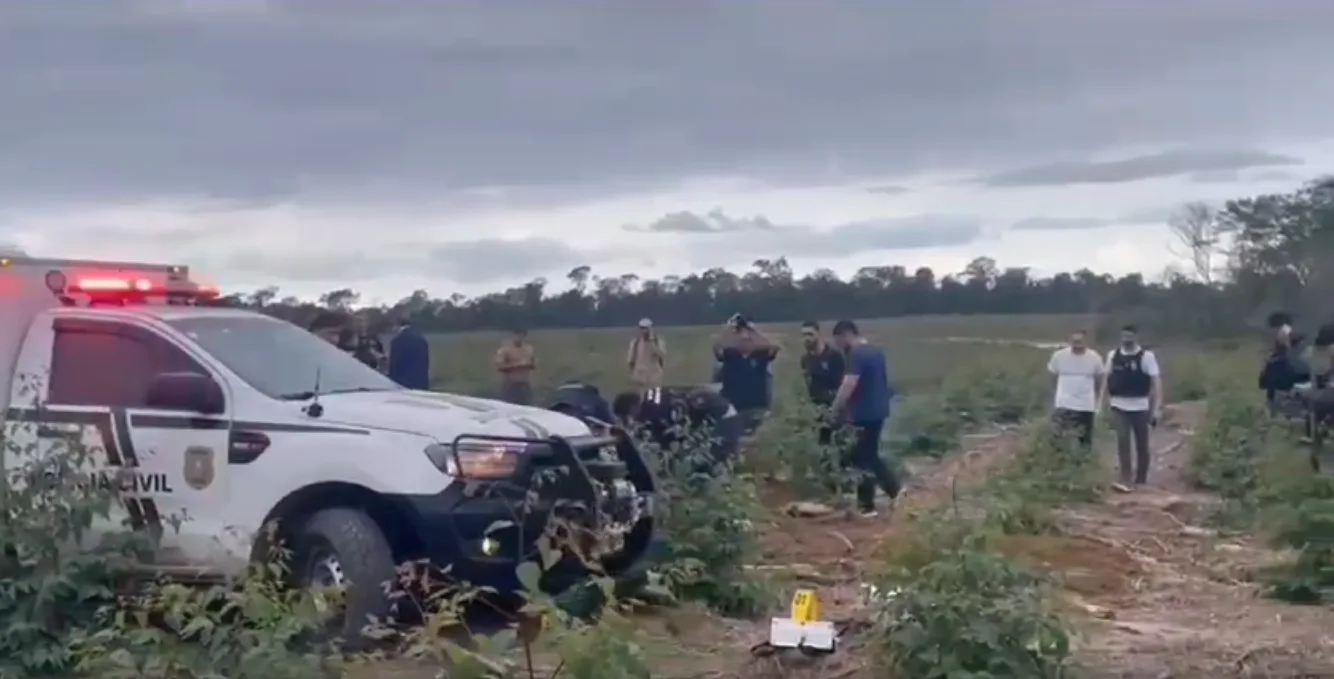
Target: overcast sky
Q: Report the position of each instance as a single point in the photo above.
(464, 146)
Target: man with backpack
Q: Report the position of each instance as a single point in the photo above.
(1134, 388)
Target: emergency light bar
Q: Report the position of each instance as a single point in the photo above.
(121, 289)
(81, 281)
(111, 285)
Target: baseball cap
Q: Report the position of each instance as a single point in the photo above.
(645, 323)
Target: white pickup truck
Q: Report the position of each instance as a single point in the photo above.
(233, 421)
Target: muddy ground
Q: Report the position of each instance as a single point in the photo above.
(1155, 593)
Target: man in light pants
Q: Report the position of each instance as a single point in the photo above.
(1079, 373)
(1134, 386)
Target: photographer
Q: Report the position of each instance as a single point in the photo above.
(745, 356)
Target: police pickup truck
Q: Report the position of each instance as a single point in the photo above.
(231, 421)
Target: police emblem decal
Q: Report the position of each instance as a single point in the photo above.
(199, 467)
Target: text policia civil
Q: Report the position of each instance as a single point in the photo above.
(134, 482)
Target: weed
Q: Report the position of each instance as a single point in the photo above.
(1050, 470)
(707, 517)
(1254, 462)
(955, 609)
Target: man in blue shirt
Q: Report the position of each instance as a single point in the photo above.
(864, 398)
(410, 357)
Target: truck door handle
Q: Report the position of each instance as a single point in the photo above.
(46, 431)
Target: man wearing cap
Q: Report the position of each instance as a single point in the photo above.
(646, 356)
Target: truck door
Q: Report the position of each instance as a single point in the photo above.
(171, 463)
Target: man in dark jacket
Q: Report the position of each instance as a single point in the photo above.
(410, 357)
(744, 357)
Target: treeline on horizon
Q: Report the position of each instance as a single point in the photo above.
(1238, 262)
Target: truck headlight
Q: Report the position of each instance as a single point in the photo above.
(475, 459)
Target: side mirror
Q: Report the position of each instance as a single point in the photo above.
(186, 391)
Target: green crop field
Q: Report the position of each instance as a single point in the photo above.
(922, 350)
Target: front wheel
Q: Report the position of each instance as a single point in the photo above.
(343, 548)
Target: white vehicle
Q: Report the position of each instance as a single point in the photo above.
(235, 420)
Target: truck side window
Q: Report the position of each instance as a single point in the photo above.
(110, 365)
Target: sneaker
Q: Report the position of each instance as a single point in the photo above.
(868, 513)
(1121, 487)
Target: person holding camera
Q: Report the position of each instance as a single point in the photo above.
(744, 356)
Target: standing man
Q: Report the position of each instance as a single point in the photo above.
(865, 395)
(1079, 373)
(823, 367)
(646, 357)
(516, 362)
(744, 355)
(410, 357)
(1135, 385)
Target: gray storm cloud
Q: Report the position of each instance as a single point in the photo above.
(714, 237)
(1203, 166)
(1058, 223)
(131, 99)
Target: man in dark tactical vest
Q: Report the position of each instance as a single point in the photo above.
(1135, 389)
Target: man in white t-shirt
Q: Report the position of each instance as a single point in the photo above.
(1079, 372)
(1135, 388)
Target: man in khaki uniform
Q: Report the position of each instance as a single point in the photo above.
(516, 363)
(646, 356)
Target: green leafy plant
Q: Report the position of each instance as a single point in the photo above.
(56, 574)
(706, 514)
(1050, 470)
(256, 627)
(951, 608)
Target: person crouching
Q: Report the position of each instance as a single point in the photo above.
(678, 417)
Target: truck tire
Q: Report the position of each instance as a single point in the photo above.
(344, 547)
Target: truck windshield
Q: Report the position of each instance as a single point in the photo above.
(280, 359)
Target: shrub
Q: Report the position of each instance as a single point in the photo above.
(1049, 470)
(707, 524)
(1256, 464)
(1231, 444)
(56, 581)
(955, 609)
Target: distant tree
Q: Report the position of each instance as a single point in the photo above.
(1196, 228)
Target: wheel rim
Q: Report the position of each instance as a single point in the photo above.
(325, 570)
(327, 583)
